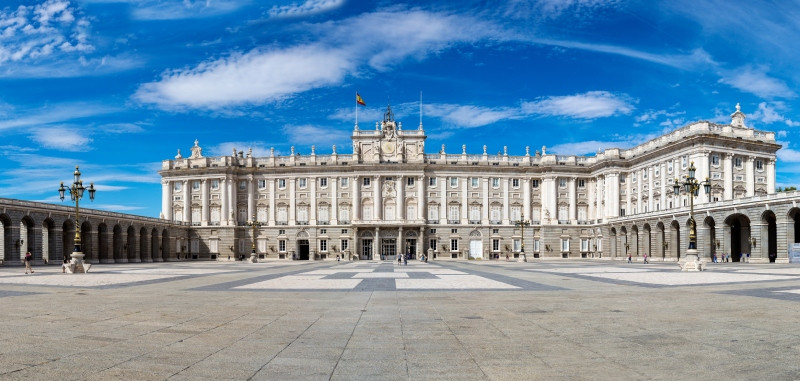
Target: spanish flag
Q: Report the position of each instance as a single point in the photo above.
(360, 100)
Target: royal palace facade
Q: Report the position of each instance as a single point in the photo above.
(387, 196)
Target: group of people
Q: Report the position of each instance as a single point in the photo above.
(644, 257)
(726, 257)
(403, 258)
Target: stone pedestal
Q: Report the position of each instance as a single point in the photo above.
(77, 265)
(253, 257)
(692, 262)
(522, 257)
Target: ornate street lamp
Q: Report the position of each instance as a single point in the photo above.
(692, 187)
(521, 224)
(255, 224)
(76, 191)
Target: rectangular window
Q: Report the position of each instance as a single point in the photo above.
(669, 167)
(322, 215)
(432, 244)
(495, 231)
(283, 217)
(495, 182)
(262, 184)
(515, 183)
(562, 183)
(301, 182)
(196, 185)
(344, 214)
(474, 214)
(432, 181)
(581, 183)
(536, 245)
(344, 181)
(684, 162)
(454, 244)
(535, 183)
(433, 231)
(452, 214)
(714, 159)
(282, 183)
(433, 212)
(453, 231)
(177, 186)
(516, 245)
(564, 244)
(759, 165)
(453, 182)
(281, 231)
(243, 185)
(584, 244)
(345, 244)
(366, 181)
(474, 182)
(644, 174)
(622, 179)
(516, 213)
(214, 184)
(323, 245)
(494, 215)
(302, 215)
(323, 182)
(410, 181)
(737, 162)
(344, 231)
(282, 245)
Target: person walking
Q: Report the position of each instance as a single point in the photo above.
(65, 264)
(645, 258)
(28, 259)
(629, 258)
(405, 260)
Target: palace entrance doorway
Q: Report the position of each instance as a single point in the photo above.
(302, 249)
(366, 248)
(389, 249)
(411, 248)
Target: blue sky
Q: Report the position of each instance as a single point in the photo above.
(117, 86)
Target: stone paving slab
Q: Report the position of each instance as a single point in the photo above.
(560, 320)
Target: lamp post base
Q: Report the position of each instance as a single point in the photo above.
(253, 258)
(692, 262)
(522, 258)
(76, 266)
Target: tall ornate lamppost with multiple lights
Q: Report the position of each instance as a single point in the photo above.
(76, 194)
(255, 224)
(692, 187)
(521, 224)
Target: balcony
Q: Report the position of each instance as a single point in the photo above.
(563, 222)
(302, 222)
(433, 222)
(495, 222)
(454, 222)
(344, 222)
(323, 222)
(583, 222)
(474, 222)
(280, 223)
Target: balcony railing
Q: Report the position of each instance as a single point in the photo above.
(302, 222)
(454, 222)
(323, 222)
(563, 222)
(281, 223)
(433, 221)
(474, 222)
(495, 222)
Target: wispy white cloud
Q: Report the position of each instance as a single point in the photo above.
(756, 81)
(309, 7)
(589, 105)
(469, 115)
(650, 116)
(260, 148)
(697, 58)
(64, 68)
(589, 147)
(769, 113)
(266, 75)
(184, 9)
(63, 138)
(35, 117)
(307, 135)
(41, 31)
(788, 155)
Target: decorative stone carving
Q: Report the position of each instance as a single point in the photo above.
(197, 152)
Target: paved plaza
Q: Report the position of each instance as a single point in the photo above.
(476, 320)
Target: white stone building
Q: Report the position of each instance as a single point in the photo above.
(388, 196)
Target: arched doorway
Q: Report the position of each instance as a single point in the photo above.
(737, 227)
(675, 240)
(165, 246)
(710, 243)
(5, 237)
(144, 253)
(411, 244)
(662, 243)
(613, 241)
(793, 231)
(647, 238)
(769, 241)
(130, 245)
(366, 245)
(67, 239)
(624, 246)
(117, 245)
(303, 246)
(476, 244)
(87, 243)
(27, 236)
(49, 240)
(103, 253)
(634, 251)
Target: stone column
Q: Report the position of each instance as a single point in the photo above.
(224, 195)
(187, 201)
(271, 212)
(422, 203)
(650, 190)
(628, 182)
(355, 213)
(572, 200)
(662, 200)
(166, 200)
(486, 207)
(526, 198)
(376, 245)
(233, 186)
(443, 200)
(376, 195)
(204, 202)
(400, 243)
(727, 175)
(591, 193)
(749, 177)
(639, 190)
(312, 189)
(292, 201)
(334, 212)
(770, 163)
(400, 213)
(612, 195)
(504, 182)
(465, 201)
(251, 196)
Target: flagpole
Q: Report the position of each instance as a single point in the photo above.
(356, 110)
